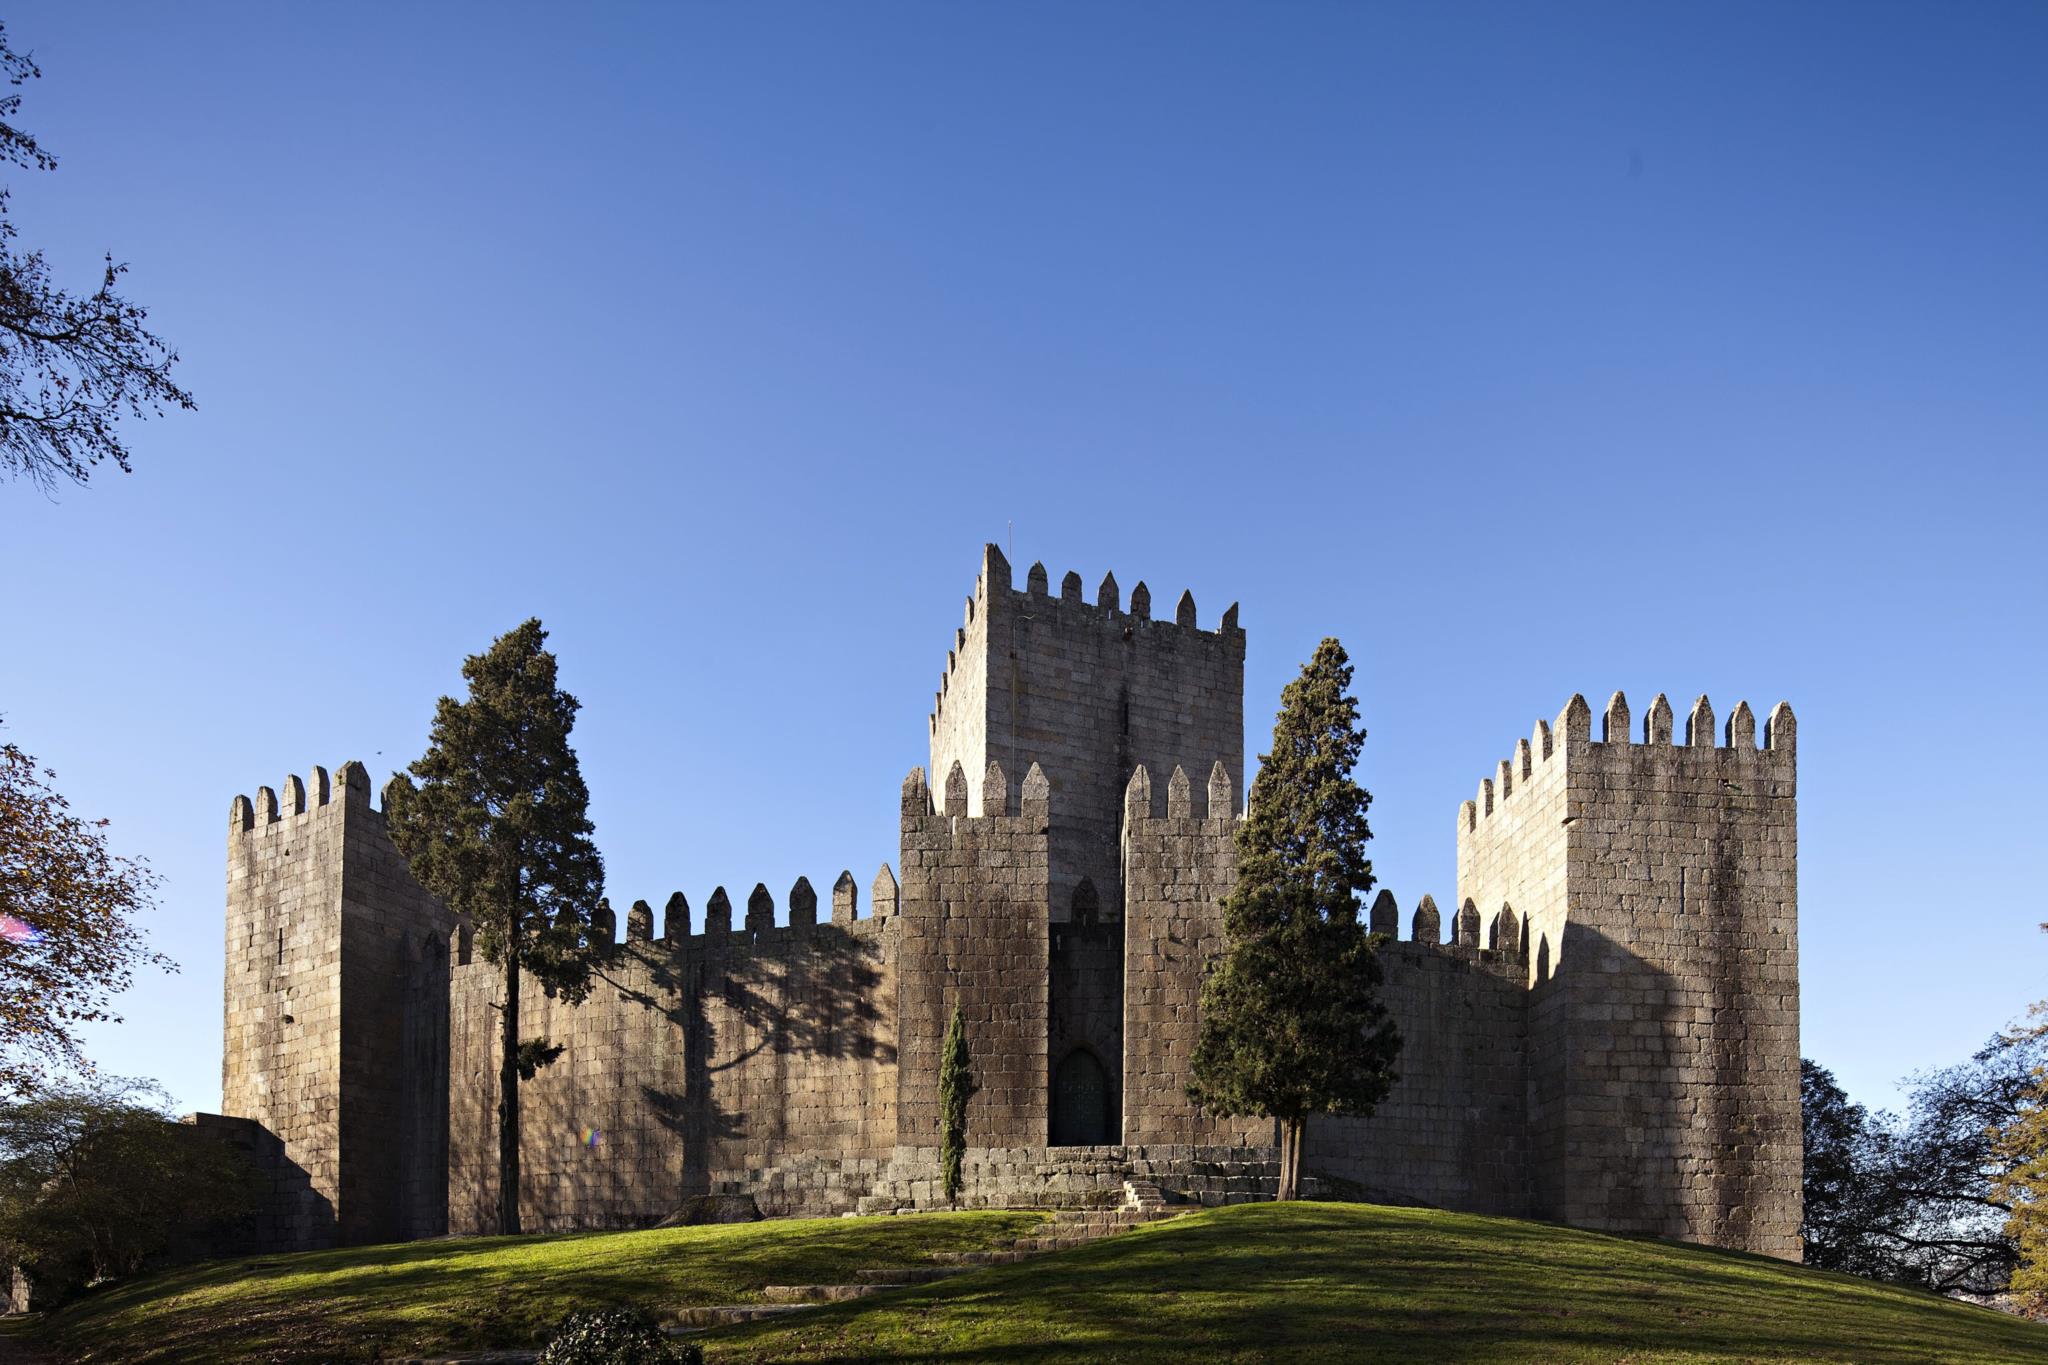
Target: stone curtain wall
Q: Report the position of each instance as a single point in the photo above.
(1679, 981)
(698, 1064)
(1453, 1130)
(1088, 690)
(335, 1013)
(1177, 867)
(976, 914)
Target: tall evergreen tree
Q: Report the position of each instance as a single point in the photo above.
(499, 829)
(956, 1083)
(1291, 1021)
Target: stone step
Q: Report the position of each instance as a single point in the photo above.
(917, 1274)
(818, 1293)
(980, 1257)
(726, 1315)
(1122, 1218)
(1046, 1243)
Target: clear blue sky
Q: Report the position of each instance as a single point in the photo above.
(1528, 349)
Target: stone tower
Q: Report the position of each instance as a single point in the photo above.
(336, 1013)
(1089, 691)
(1651, 888)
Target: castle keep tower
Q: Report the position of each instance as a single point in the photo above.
(1088, 691)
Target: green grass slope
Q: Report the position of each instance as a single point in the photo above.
(1302, 1282)
(367, 1303)
(1318, 1282)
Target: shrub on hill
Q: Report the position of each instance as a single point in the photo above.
(97, 1180)
(615, 1336)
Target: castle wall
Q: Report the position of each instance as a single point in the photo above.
(1452, 1132)
(694, 1064)
(1178, 867)
(976, 914)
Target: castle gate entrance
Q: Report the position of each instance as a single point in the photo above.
(1080, 1102)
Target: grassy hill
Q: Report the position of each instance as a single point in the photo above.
(1254, 1283)
(1318, 1282)
(366, 1303)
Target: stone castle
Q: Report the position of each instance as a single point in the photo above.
(1609, 1038)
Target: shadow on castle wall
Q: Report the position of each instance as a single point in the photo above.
(1644, 1099)
(723, 1051)
(288, 1214)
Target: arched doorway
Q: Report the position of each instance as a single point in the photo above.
(1080, 1101)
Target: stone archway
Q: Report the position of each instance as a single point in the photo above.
(1080, 1101)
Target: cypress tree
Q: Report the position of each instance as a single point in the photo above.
(499, 829)
(1291, 1023)
(956, 1083)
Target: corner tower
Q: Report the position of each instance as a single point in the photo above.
(1651, 887)
(335, 1013)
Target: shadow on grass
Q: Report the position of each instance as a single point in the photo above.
(365, 1303)
(1320, 1282)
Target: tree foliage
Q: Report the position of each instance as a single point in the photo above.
(71, 365)
(1837, 1138)
(1920, 1198)
(2020, 1143)
(97, 1180)
(498, 827)
(1291, 1021)
(956, 1086)
(69, 942)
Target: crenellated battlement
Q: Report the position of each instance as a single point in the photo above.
(1218, 801)
(1493, 937)
(301, 796)
(1573, 734)
(989, 799)
(993, 592)
(718, 927)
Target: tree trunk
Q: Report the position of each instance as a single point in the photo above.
(1290, 1157)
(508, 1103)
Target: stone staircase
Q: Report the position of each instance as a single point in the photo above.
(1069, 1228)
(1063, 1229)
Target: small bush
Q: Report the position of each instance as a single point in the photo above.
(615, 1336)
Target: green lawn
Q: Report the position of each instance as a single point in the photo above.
(1314, 1282)
(366, 1303)
(1256, 1283)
